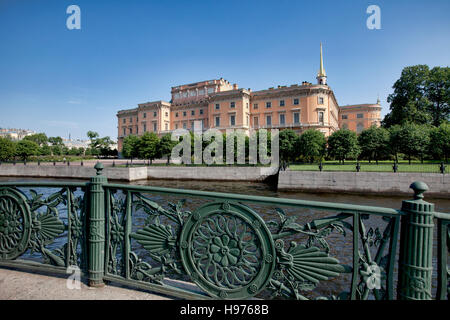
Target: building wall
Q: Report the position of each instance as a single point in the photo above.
(359, 117)
(317, 108)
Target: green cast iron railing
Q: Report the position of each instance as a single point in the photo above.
(200, 245)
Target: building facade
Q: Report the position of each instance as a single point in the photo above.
(221, 105)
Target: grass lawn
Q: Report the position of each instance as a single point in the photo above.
(366, 167)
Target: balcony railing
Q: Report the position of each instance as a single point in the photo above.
(196, 244)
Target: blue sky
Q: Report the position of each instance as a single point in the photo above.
(61, 81)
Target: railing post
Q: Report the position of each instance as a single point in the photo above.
(96, 228)
(416, 247)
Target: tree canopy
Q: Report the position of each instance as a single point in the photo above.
(421, 96)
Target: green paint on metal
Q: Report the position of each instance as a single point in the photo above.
(223, 246)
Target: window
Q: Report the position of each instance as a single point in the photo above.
(201, 111)
(124, 120)
(176, 96)
(145, 127)
(192, 112)
(255, 106)
(256, 121)
(269, 120)
(166, 126)
(320, 100)
(296, 117)
(247, 119)
(167, 114)
(360, 115)
(145, 115)
(154, 126)
(359, 127)
(184, 125)
(232, 120)
(232, 104)
(321, 117)
(131, 120)
(184, 113)
(296, 102)
(268, 104)
(124, 131)
(176, 114)
(201, 92)
(281, 103)
(344, 126)
(282, 119)
(246, 105)
(217, 106)
(185, 94)
(192, 93)
(217, 121)
(344, 116)
(192, 125)
(210, 90)
(176, 126)
(131, 130)
(155, 113)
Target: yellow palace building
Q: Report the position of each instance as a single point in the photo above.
(221, 105)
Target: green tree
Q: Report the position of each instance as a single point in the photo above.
(130, 147)
(374, 143)
(39, 138)
(343, 144)
(148, 146)
(408, 102)
(99, 146)
(56, 141)
(312, 144)
(440, 142)
(45, 150)
(7, 149)
(166, 145)
(287, 145)
(437, 89)
(413, 140)
(57, 150)
(26, 149)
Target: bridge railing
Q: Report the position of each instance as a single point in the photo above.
(196, 244)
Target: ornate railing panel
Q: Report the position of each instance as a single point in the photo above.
(195, 244)
(42, 225)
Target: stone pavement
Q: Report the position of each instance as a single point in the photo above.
(21, 285)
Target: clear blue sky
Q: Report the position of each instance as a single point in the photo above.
(61, 81)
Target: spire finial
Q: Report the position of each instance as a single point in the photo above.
(321, 75)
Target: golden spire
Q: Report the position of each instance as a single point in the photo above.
(321, 70)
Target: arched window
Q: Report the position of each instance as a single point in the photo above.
(359, 127)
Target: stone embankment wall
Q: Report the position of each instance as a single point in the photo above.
(363, 182)
(140, 173)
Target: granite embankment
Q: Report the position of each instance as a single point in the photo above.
(141, 173)
(387, 183)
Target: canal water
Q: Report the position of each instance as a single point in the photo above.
(340, 244)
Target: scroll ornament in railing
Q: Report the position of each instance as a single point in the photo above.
(33, 223)
(231, 253)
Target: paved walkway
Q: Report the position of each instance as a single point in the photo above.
(18, 285)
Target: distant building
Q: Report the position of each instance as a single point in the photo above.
(358, 117)
(219, 104)
(69, 143)
(15, 134)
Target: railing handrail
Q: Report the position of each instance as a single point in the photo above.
(318, 205)
(241, 197)
(61, 184)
